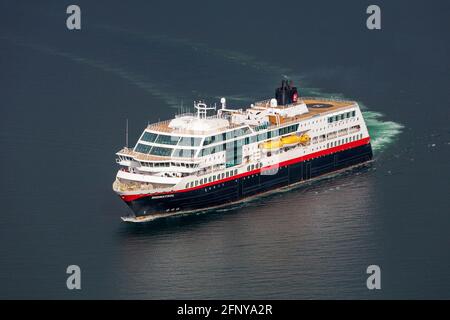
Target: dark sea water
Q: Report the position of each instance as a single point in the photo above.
(65, 97)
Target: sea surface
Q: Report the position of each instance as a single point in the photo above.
(65, 97)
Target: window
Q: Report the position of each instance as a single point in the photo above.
(212, 150)
(163, 139)
(160, 151)
(184, 153)
(149, 137)
(214, 139)
(143, 148)
(189, 141)
(262, 136)
(353, 113)
(227, 174)
(331, 135)
(208, 140)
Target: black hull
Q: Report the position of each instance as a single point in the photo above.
(240, 188)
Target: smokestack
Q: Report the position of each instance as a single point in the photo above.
(286, 94)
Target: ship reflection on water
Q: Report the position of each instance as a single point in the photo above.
(314, 241)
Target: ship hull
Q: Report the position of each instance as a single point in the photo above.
(245, 186)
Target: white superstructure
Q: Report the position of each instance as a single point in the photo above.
(209, 145)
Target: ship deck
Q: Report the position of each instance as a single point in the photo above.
(316, 106)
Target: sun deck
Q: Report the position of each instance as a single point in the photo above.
(327, 105)
(318, 106)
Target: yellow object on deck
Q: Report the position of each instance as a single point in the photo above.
(272, 144)
(286, 142)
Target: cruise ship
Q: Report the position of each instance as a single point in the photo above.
(220, 155)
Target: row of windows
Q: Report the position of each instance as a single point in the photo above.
(247, 140)
(274, 133)
(171, 140)
(334, 134)
(254, 166)
(252, 139)
(161, 151)
(341, 116)
(165, 152)
(212, 150)
(143, 148)
(262, 126)
(168, 164)
(212, 178)
(184, 153)
(189, 141)
(342, 141)
(226, 136)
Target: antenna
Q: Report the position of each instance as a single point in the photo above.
(202, 109)
(126, 134)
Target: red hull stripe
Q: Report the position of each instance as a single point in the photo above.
(321, 153)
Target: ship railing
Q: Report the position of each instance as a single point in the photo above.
(127, 151)
(163, 126)
(330, 99)
(266, 102)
